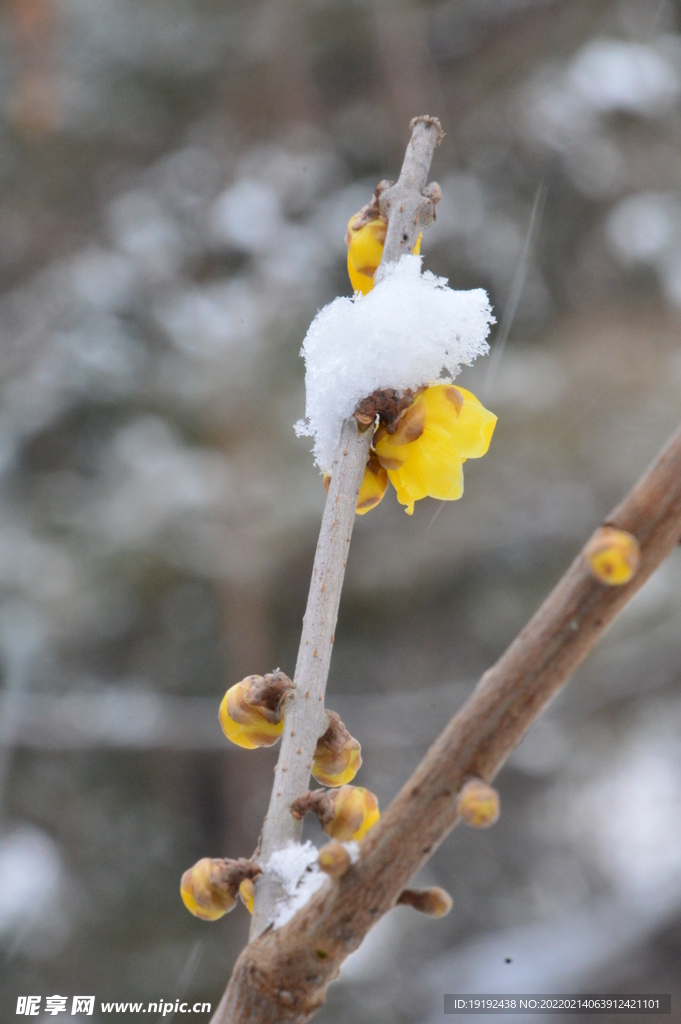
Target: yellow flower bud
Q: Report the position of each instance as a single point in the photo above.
(204, 893)
(365, 249)
(334, 859)
(613, 556)
(209, 889)
(337, 756)
(434, 901)
(478, 804)
(345, 813)
(365, 239)
(251, 712)
(355, 811)
(247, 894)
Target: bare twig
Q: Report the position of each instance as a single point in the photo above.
(409, 205)
(305, 716)
(412, 209)
(284, 975)
(434, 901)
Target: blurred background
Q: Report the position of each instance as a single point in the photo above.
(177, 176)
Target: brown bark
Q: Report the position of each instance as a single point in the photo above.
(283, 975)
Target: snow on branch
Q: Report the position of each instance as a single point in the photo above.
(408, 330)
(295, 867)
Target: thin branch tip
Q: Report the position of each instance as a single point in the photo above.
(433, 901)
(430, 122)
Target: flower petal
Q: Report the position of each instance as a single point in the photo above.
(391, 454)
(360, 282)
(410, 425)
(432, 469)
(460, 413)
(365, 249)
(373, 487)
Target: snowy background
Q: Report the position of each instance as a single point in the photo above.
(176, 177)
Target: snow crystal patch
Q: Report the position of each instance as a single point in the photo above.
(408, 331)
(296, 868)
(353, 849)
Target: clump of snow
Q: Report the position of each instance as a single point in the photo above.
(408, 331)
(353, 849)
(296, 868)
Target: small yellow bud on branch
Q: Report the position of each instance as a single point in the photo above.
(433, 901)
(337, 756)
(251, 712)
(478, 804)
(334, 859)
(613, 556)
(345, 813)
(365, 238)
(209, 888)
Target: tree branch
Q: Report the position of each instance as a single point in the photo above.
(305, 717)
(283, 976)
(409, 206)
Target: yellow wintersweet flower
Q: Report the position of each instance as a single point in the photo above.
(425, 452)
(354, 812)
(209, 888)
(351, 758)
(251, 712)
(365, 241)
(345, 813)
(338, 755)
(204, 891)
